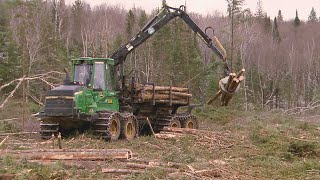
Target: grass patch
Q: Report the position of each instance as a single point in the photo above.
(303, 149)
(218, 115)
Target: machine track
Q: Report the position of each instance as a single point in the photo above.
(188, 121)
(107, 125)
(129, 126)
(47, 129)
(178, 120)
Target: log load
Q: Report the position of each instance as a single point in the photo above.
(161, 94)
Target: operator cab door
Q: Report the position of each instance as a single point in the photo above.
(102, 79)
(99, 81)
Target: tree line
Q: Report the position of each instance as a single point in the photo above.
(280, 56)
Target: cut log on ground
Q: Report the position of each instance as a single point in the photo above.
(182, 130)
(19, 133)
(124, 171)
(70, 154)
(148, 166)
(3, 141)
(168, 136)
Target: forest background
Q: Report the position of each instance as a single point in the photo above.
(38, 38)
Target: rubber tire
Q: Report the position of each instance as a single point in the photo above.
(116, 135)
(175, 123)
(193, 120)
(125, 125)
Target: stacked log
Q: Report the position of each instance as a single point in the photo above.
(228, 86)
(162, 94)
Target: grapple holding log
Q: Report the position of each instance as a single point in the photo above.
(228, 87)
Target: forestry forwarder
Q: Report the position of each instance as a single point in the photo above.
(97, 95)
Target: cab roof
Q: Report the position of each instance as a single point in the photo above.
(91, 60)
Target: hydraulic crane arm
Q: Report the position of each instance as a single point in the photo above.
(161, 19)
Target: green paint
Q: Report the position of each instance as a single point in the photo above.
(90, 100)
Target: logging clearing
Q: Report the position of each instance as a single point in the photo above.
(226, 148)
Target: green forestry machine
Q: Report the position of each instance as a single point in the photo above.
(97, 94)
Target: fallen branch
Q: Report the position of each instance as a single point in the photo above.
(149, 166)
(8, 119)
(307, 140)
(149, 123)
(168, 135)
(128, 171)
(12, 92)
(35, 99)
(3, 141)
(19, 133)
(70, 154)
(37, 76)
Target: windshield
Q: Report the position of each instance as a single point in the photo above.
(82, 73)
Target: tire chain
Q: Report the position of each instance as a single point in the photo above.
(47, 129)
(101, 125)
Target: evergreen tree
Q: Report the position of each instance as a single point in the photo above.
(235, 13)
(312, 16)
(280, 16)
(296, 20)
(77, 18)
(275, 31)
(10, 64)
(259, 12)
(130, 23)
(142, 19)
(267, 24)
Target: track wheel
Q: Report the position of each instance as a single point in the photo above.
(175, 123)
(114, 128)
(128, 127)
(190, 122)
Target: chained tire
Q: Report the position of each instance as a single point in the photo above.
(190, 122)
(129, 126)
(175, 123)
(48, 129)
(108, 126)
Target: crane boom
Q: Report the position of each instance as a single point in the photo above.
(157, 23)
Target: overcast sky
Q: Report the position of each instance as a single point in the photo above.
(288, 7)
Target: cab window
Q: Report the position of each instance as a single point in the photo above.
(99, 80)
(82, 73)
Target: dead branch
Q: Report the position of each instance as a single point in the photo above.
(3, 141)
(69, 154)
(35, 99)
(129, 171)
(37, 76)
(168, 135)
(12, 92)
(306, 140)
(19, 133)
(2, 120)
(151, 127)
(148, 166)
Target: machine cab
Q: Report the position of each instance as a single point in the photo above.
(94, 73)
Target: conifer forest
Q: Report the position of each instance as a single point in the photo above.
(269, 130)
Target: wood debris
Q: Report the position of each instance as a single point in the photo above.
(69, 154)
(3, 141)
